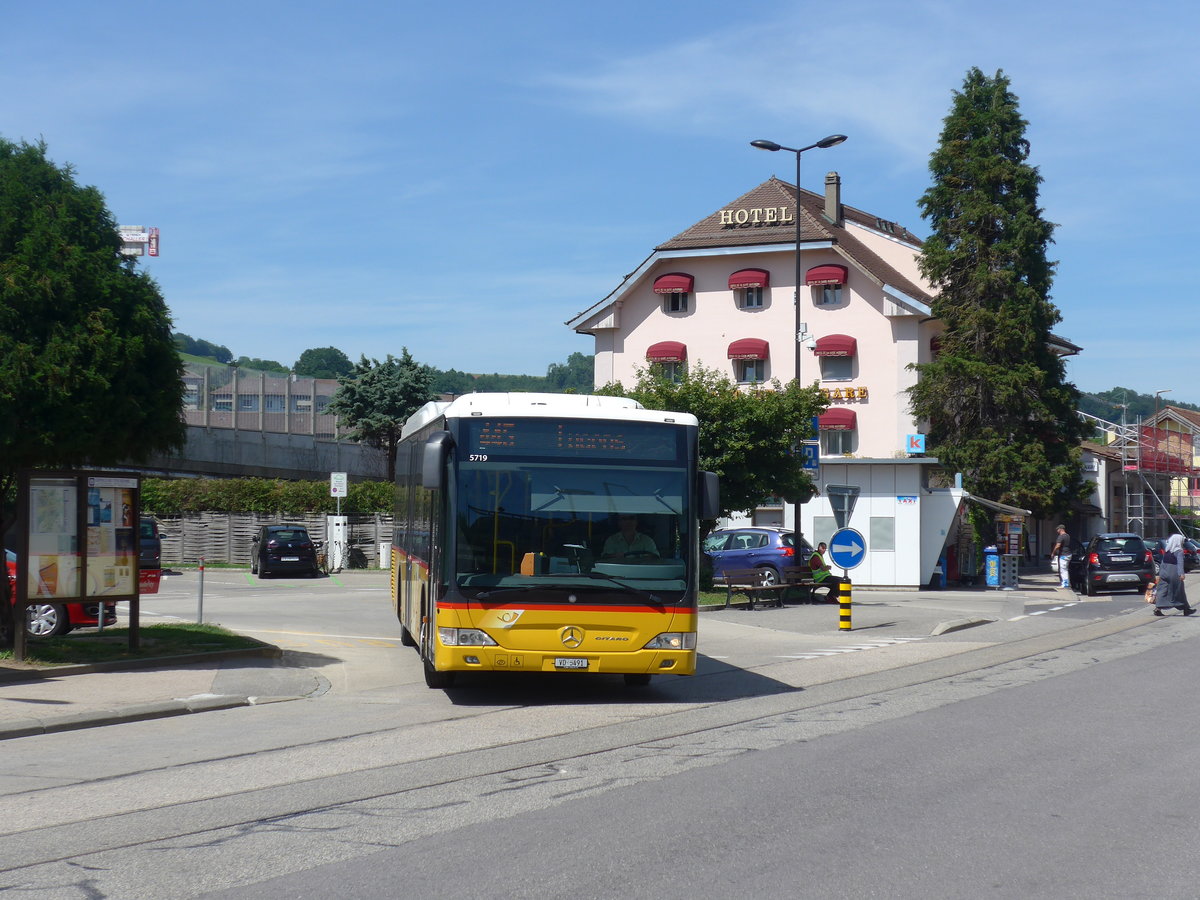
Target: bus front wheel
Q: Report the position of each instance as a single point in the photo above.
(437, 680)
(406, 638)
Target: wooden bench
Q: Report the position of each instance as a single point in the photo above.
(796, 581)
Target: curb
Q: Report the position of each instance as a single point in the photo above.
(267, 651)
(158, 709)
(958, 625)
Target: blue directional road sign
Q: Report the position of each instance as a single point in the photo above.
(847, 548)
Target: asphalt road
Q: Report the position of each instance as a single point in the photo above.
(943, 766)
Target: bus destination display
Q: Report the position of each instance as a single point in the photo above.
(558, 437)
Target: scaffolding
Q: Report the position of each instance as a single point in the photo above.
(1157, 470)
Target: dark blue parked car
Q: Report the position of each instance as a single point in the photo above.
(766, 547)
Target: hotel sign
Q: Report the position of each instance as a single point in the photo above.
(762, 215)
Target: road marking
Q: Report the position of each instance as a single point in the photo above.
(850, 648)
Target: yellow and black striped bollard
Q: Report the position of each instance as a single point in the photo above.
(844, 605)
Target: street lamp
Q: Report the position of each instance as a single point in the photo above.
(831, 141)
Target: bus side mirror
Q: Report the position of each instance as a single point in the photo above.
(710, 495)
(433, 462)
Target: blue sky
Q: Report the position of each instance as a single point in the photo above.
(462, 179)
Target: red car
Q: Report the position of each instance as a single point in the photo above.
(49, 619)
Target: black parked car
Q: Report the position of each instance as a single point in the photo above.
(149, 544)
(1191, 559)
(283, 548)
(1113, 561)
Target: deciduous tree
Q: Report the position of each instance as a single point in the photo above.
(88, 372)
(323, 362)
(746, 436)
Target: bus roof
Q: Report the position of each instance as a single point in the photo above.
(573, 406)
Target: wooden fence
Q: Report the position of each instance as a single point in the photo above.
(226, 537)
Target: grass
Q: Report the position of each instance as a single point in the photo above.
(112, 645)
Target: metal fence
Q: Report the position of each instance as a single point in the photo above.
(247, 400)
(226, 537)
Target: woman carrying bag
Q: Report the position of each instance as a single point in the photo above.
(1170, 593)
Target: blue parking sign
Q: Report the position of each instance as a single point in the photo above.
(811, 455)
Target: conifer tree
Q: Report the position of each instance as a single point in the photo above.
(999, 408)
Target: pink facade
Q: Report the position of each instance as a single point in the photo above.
(883, 306)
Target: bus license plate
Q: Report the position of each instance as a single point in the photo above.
(570, 662)
(289, 559)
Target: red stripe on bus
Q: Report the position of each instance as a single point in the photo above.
(567, 607)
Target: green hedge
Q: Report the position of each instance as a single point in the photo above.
(165, 497)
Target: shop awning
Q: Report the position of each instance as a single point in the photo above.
(826, 275)
(749, 348)
(837, 419)
(749, 278)
(667, 351)
(674, 283)
(835, 345)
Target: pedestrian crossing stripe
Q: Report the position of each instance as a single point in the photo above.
(822, 653)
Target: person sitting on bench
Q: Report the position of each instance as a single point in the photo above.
(821, 575)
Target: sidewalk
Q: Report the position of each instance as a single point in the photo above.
(72, 697)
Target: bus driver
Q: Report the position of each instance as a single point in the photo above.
(628, 541)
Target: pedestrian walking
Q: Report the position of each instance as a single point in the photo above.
(1170, 593)
(1060, 556)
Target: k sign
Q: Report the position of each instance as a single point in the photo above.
(914, 443)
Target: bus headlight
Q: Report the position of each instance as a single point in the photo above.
(464, 637)
(673, 640)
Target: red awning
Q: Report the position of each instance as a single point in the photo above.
(826, 275)
(749, 348)
(674, 283)
(835, 345)
(667, 351)
(749, 278)
(837, 419)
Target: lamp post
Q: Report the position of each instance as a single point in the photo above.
(831, 141)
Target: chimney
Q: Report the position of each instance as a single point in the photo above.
(833, 198)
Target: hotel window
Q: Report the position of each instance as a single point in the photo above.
(837, 443)
(675, 303)
(837, 368)
(751, 371)
(672, 371)
(750, 298)
(829, 295)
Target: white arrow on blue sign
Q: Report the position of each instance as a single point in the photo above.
(846, 548)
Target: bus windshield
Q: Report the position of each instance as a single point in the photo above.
(560, 523)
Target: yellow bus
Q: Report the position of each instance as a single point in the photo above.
(548, 533)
